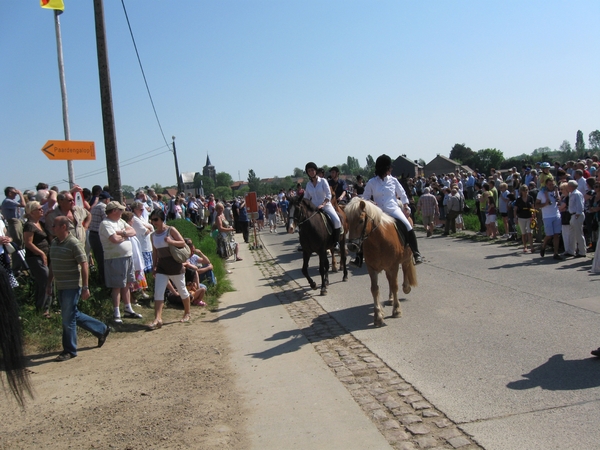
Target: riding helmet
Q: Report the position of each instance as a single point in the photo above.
(310, 165)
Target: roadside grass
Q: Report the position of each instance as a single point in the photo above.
(45, 334)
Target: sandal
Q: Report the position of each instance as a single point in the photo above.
(186, 318)
(238, 259)
(155, 325)
(47, 315)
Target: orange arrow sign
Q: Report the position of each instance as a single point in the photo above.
(69, 150)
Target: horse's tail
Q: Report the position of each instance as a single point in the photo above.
(411, 272)
(11, 342)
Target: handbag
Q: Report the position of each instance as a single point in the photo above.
(10, 249)
(180, 255)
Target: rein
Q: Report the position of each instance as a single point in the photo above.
(363, 236)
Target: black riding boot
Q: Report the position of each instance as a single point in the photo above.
(411, 240)
(336, 238)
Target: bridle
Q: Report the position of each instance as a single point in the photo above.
(298, 220)
(363, 235)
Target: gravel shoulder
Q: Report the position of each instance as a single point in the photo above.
(170, 388)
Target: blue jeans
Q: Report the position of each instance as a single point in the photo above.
(72, 318)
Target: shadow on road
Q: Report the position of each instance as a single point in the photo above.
(558, 374)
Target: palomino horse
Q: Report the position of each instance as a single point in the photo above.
(374, 230)
(314, 237)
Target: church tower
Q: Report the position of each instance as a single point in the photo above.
(209, 170)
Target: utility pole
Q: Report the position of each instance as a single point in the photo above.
(108, 118)
(63, 91)
(179, 185)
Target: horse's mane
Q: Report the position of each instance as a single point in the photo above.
(353, 210)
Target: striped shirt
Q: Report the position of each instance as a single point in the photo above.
(65, 258)
(428, 205)
(98, 215)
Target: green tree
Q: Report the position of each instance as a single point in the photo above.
(565, 147)
(594, 140)
(579, 143)
(224, 179)
(298, 173)
(223, 193)
(128, 191)
(461, 153)
(242, 191)
(157, 188)
(206, 183)
(487, 158)
(253, 182)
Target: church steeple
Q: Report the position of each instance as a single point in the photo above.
(209, 170)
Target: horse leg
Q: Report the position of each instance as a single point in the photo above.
(392, 277)
(333, 263)
(343, 259)
(406, 270)
(378, 312)
(323, 270)
(306, 257)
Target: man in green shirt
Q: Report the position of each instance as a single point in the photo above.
(69, 268)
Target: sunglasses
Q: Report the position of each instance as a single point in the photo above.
(154, 219)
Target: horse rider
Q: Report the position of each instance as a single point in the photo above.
(385, 190)
(318, 192)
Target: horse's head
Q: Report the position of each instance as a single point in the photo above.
(357, 217)
(299, 210)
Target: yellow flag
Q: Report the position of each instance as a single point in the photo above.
(53, 4)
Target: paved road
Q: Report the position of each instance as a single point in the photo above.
(496, 339)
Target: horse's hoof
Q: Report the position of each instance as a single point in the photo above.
(379, 324)
(345, 278)
(313, 285)
(323, 291)
(397, 314)
(334, 270)
(406, 290)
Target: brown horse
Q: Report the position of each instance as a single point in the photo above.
(314, 237)
(373, 230)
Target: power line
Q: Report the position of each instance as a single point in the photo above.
(143, 74)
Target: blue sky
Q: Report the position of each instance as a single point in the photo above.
(270, 85)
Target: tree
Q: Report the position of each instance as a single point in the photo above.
(461, 153)
(128, 191)
(206, 183)
(594, 140)
(253, 181)
(565, 147)
(223, 193)
(298, 173)
(579, 144)
(224, 179)
(157, 188)
(487, 158)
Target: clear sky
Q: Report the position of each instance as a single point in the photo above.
(270, 85)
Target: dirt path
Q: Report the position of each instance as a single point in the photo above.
(170, 388)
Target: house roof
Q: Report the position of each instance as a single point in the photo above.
(188, 177)
(404, 158)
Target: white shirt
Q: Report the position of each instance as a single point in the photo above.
(385, 193)
(112, 250)
(317, 194)
(549, 211)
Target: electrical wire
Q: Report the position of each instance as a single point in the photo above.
(143, 74)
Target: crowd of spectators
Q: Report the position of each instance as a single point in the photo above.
(554, 204)
(57, 237)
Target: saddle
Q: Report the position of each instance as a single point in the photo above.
(328, 222)
(401, 230)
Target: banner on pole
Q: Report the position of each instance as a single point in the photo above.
(53, 4)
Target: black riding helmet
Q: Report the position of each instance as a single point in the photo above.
(310, 165)
(382, 165)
